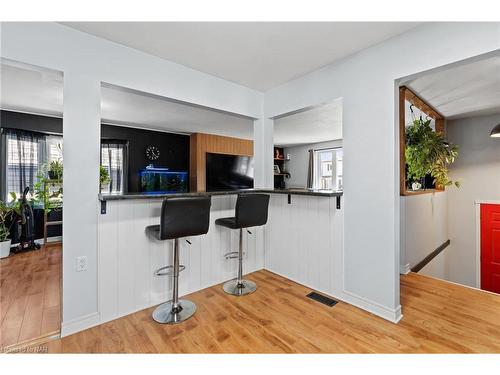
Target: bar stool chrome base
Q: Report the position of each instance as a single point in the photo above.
(239, 288)
(164, 313)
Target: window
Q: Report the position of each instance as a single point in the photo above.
(54, 148)
(25, 154)
(328, 169)
(28, 155)
(113, 159)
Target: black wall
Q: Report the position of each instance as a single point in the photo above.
(35, 123)
(174, 148)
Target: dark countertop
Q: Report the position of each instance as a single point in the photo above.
(318, 193)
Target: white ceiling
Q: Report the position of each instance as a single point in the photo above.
(41, 92)
(33, 90)
(28, 89)
(319, 124)
(121, 106)
(259, 55)
(464, 90)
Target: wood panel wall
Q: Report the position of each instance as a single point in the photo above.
(201, 143)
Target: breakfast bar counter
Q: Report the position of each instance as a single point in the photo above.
(318, 193)
(301, 241)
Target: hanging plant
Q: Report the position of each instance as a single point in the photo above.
(428, 153)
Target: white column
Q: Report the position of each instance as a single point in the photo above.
(81, 132)
(263, 152)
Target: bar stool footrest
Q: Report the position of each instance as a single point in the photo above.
(168, 270)
(232, 255)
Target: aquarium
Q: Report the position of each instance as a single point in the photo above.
(162, 180)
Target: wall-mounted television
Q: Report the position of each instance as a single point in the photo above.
(228, 172)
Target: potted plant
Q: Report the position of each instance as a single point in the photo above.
(104, 178)
(7, 213)
(46, 193)
(427, 152)
(55, 170)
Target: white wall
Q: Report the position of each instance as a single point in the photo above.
(303, 239)
(86, 61)
(478, 169)
(299, 160)
(438, 267)
(424, 227)
(366, 82)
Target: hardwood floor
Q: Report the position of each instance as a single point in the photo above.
(30, 295)
(439, 317)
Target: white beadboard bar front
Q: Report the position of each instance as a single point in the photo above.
(301, 241)
(128, 257)
(304, 242)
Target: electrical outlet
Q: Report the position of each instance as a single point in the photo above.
(81, 263)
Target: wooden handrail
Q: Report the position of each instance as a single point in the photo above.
(430, 257)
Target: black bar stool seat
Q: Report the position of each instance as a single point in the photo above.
(251, 211)
(228, 222)
(180, 217)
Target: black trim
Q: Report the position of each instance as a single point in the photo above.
(103, 207)
(430, 257)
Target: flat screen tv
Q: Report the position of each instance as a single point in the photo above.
(229, 172)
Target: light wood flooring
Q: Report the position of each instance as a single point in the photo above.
(30, 295)
(439, 317)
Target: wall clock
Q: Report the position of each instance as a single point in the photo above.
(152, 153)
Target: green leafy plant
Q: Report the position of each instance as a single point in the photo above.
(55, 170)
(428, 153)
(8, 211)
(42, 195)
(104, 178)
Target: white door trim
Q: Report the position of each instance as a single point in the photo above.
(478, 245)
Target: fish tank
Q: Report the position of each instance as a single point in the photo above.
(162, 180)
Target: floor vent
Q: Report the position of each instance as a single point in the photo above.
(323, 299)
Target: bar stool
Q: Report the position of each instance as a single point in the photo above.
(180, 217)
(251, 211)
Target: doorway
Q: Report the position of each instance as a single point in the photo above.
(490, 247)
(441, 235)
(32, 203)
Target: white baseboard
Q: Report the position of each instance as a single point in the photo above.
(80, 324)
(404, 269)
(49, 240)
(392, 315)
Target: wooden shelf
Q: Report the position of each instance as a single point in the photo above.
(46, 222)
(420, 192)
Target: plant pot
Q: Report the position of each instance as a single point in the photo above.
(4, 249)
